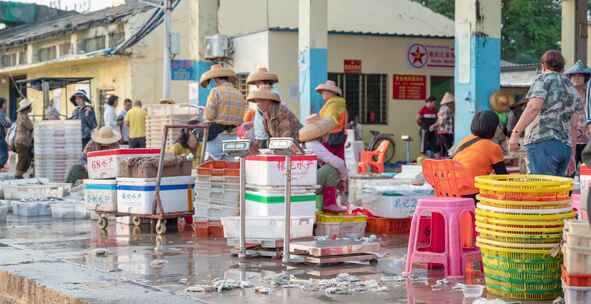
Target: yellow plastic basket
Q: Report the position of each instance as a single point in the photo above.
(523, 204)
(510, 237)
(331, 218)
(526, 225)
(515, 253)
(539, 265)
(519, 229)
(526, 217)
(524, 183)
(500, 244)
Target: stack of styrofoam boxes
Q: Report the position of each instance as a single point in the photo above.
(265, 198)
(161, 115)
(100, 190)
(58, 146)
(576, 274)
(217, 195)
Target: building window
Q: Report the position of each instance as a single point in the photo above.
(65, 49)
(115, 39)
(366, 95)
(242, 86)
(46, 54)
(22, 57)
(92, 44)
(8, 60)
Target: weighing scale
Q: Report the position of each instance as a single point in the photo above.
(313, 252)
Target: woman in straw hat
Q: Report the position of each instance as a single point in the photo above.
(579, 75)
(278, 120)
(262, 77)
(24, 138)
(105, 138)
(444, 127)
(224, 110)
(500, 103)
(335, 108)
(333, 172)
(85, 113)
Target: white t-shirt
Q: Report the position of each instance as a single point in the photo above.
(110, 118)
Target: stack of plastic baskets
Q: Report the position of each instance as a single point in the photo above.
(519, 220)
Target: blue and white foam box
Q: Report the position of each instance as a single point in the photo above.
(101, 193)
(136, 195)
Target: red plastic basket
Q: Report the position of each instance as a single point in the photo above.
(576, 280)
(219, 168)
(379, 225)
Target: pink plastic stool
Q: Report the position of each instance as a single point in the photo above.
(581, 214)
(452, 257)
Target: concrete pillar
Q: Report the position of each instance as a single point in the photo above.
(207, 25)
(313, 53)
(478, 55)
(574, 31)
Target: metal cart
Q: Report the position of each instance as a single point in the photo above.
(158, 214)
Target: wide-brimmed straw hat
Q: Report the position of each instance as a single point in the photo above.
(216, 71)
(447, 98)
(105, 136)
(497, 103)
(167, 102)
(263, 93)
(79, 93)
(24, 104)
(262, 74)
(316, 127)
(578, 68)
(329, 86)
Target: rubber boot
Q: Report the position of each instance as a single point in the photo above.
(329, 195)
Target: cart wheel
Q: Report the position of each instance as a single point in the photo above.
(103, 222)
(136, 221)
(161, 227)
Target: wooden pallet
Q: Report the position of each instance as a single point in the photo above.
(338, 259)
(333, 248)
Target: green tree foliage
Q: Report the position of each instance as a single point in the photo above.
(529, 27)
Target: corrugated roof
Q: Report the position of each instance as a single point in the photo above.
(295, 29)
(69, 22)
(381, 17)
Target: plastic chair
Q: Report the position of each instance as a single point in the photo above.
(453, 256)
(373, 160)
(449, 178)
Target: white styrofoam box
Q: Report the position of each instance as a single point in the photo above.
(27, 181)
(269, 170)
(36, 192)
(69, 211)
(390, 204)
(585, 183)
(577, 233)
(230, 196)
(215, 212)
(577, 260)
(32, 209)
(410, 172)
(341, 229)
(136, 195)
(576, 295)
(102, 193)
(271, 202)
(105, 164)
(268, 227)
(4, 212)
(358, 183)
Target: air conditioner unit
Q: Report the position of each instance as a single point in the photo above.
(217, 47)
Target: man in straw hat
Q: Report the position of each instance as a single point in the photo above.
(579, 75)
(85, 113)
(335, 108)
(501, 102)
(262, 77)
(224, 109)
(278, 120)
(24, 138)
(333, 172)
(105, 138)
(444, 127)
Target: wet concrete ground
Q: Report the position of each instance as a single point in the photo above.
(59, 254)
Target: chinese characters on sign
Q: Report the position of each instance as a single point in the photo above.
(352, 66)
(431, 56)
(183, 70)
(410, 87)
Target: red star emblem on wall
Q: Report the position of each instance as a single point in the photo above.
(417, 56)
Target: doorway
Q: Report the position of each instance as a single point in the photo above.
(440, 85)
(17, 91)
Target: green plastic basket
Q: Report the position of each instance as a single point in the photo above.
(537, 266)
(522, 275)
(518, 294)
(518, 280)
